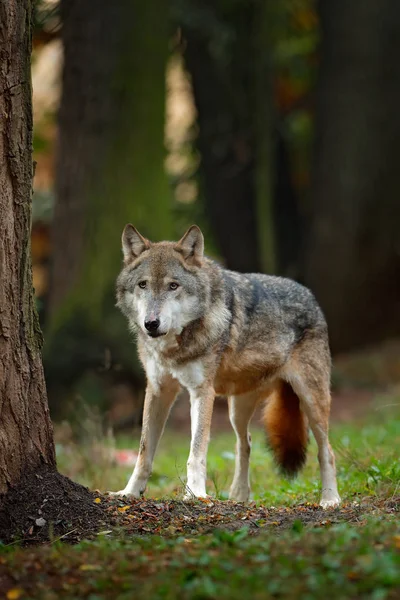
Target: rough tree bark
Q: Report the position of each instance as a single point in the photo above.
(30, 485)
(352, 259)
(26, 439)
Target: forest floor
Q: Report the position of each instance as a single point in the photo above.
(281, 545)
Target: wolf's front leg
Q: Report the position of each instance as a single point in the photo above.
(201, 407)
(157, 404)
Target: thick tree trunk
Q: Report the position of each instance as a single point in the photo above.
(36, 502)
(352, 260)
(26, 439)
(110, 172)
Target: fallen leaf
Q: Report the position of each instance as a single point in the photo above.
(90, 568)
(97, 500)
(14, 593)
(206, 501)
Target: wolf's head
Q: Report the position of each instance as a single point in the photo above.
(160, 288)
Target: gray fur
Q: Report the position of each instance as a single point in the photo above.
(246, 336)
(271, 310)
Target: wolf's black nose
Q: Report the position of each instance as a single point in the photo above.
(152, 325)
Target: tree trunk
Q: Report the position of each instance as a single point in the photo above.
(220, 79)
(26, 439)
(110, 172)
(227, 53)
(352, 259)
(287, 218)
(262, 110)
(110, 159)
(36, 502)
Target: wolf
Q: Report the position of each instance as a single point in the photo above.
(251, 337)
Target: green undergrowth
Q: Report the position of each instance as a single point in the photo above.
(337, 562)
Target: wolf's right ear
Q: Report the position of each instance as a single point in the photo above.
(133, 243)
(192, 245)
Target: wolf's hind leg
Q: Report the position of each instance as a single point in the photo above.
(241, 409)
(319, 426)
(156, 410)
(309, 377)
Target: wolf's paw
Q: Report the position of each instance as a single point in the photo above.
(124, 493)
(330, 502)
(191, 495)
(239, 493)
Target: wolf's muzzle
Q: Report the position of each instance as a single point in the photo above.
(152, 327)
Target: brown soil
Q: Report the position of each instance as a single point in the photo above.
(48, 506)
(172, 517)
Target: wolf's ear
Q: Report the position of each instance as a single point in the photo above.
(133, 243)
(192, 245)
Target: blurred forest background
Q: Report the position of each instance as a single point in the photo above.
(273, 125)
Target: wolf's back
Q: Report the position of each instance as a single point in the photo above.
(273, 305)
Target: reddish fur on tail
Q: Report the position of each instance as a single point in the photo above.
(286, 429)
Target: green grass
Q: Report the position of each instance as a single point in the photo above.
(367, 455)
(331, 561)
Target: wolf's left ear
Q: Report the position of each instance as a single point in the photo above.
(133, 243)
(192, 245)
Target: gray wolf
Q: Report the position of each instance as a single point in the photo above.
(249, 337)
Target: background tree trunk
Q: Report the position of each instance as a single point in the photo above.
(352, 260)
(110, 172)
(225, 142)
(26, 439)
(263, 120)
(228, 55)
(110, 159)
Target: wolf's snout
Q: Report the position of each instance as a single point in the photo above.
(152, 326)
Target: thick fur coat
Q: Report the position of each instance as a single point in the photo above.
(250, 337)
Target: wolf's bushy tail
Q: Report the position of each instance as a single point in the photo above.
(286, 428)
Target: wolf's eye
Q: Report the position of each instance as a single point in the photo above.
(142, 284)
(173, 286)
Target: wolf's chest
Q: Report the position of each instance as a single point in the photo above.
(235, 374)
(191, 375)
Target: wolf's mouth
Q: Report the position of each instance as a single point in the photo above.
(155, 334)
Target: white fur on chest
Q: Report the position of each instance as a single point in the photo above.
(190, 375)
